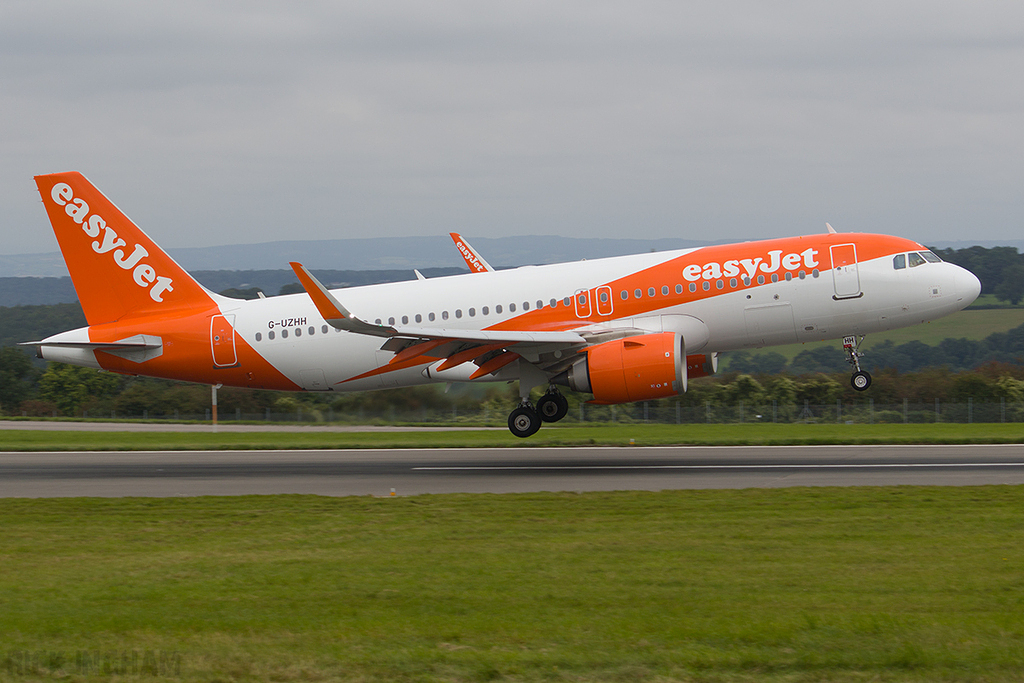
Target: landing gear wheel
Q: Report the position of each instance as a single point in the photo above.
(552, 407)
(523, 421)
(860, 380)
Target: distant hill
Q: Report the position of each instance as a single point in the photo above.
(37, 291)
(374, 253)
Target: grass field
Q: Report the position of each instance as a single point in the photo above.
(605, 435)
(969, 324)
(858, 584)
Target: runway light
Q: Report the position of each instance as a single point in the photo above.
(392, 492)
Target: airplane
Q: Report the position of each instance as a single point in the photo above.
(621, 329)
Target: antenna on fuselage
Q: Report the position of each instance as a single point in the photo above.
(831, 230)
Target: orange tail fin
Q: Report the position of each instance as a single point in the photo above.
(116, 268)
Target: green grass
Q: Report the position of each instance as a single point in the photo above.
(968, 324)
(990, 301)
(855, 584)
(607, 434)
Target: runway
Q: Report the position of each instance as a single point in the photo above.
(419, 471)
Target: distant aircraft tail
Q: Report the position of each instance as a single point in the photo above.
(117, 270)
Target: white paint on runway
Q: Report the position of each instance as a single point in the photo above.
(419, 471)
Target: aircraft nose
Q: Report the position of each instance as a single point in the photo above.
(967, 285)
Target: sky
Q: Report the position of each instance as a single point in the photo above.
(213, 123)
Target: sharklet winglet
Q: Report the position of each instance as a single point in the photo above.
(331, 309)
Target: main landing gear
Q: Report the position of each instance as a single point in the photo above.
(552, 406)
(860, 380)
(525, 420)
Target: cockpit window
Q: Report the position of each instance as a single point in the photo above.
(915, 259)
(899, 262)
(930, 257)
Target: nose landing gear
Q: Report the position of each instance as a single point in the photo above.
(860, 380)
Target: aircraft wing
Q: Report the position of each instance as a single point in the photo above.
(474, 260)
(338, 316)
(413, 344)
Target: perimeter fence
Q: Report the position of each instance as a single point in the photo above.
(652, 412)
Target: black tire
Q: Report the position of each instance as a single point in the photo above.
(860, 380)
(552, 407)
(523, 422)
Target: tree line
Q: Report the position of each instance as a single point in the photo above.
(1000, 269)
(72, 391)
(954, 354)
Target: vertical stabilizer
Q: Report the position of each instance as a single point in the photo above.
(117, 270)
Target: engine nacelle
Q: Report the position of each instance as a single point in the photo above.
(701, 365)
(641, 368)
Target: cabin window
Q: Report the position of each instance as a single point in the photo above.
(693, 286)
(497, 309)
(259, 337)
(458, 312)
(815, 273)
(604, 297)
(664, 290)
(802, 275)
(732, 282)
(720, 284)
(431, 317)
(567, 301)
(650, 291)
(760, 279)
(915, 259)
(511, 308)
(284, 334)
(638, 293)
(298, 331)
(324, 329)
(707, 285)
(623, 295)
(405, 320)
(775, 277)
(418, 318)
(553, 303)
(270, 335)
(484, 310)
(444, 315)
(679, 289)
(540, 304)
(312, 330)
(899, 261)
(391, 321)
(789, 276)
(472, 313)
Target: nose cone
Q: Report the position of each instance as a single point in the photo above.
(967, 286)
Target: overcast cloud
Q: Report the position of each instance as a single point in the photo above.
(220, 123)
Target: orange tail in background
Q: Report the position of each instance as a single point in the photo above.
(117, 270)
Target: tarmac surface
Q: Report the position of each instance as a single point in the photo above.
(207, 428)
(380, 472)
